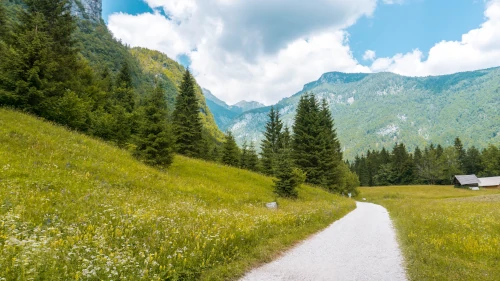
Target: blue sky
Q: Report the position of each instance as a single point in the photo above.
(268, 49)
(414, 24)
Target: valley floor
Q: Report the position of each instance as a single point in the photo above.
(445, 233)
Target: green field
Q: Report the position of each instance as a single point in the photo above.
(74, 208)
(445, 233)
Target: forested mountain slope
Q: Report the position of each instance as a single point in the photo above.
(103, 52)
(372, 111)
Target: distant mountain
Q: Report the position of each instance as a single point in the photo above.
(249, 105)
(372, 111)
(224, 113)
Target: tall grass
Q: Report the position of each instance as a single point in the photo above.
(74, 208)
(446, 233)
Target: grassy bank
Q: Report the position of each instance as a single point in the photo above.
(74, 208)
(445, 233)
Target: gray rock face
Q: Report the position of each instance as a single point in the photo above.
(87, 9)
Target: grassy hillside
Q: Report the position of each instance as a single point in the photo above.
(446, 233)
(73, 208)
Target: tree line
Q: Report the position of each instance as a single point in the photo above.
(309, 153)
(432, 165)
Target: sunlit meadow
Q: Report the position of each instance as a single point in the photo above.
(446, 233)
(74, 208)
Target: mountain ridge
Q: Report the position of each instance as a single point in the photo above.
(375, 110)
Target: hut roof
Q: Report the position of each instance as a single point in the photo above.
(467, 179)
(492, 181)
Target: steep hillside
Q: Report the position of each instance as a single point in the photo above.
(372, 111)
(72, 208)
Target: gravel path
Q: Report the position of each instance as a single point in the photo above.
(360, 246)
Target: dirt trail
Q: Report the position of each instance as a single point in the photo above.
(360, 246)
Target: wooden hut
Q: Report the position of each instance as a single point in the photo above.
(466, 181)
(492, 182)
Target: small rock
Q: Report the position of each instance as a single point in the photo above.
(272, 205)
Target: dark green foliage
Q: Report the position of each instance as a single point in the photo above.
(249, 159)
(472, 162)
(330, 154)
(435, 165)
(230, 151)
(306, 144)
(155, 140)
(316, 149)
(288, 178)
(186, 118)
(459, 147)
(490, 160)
(271, 142)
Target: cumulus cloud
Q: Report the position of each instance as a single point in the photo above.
(479, 48)
(260, 49)
(369, 55)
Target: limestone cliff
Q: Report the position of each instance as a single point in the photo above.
(87, 9)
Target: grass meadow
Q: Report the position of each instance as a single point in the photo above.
(75, 208)
(445, 233)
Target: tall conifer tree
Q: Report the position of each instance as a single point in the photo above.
(186, 118)
(271, 142)
(230, 151)
(331, 156)
(155, 140)
(306, 144)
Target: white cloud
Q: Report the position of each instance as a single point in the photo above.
(479, 48)
(369, 55)
(256, 50)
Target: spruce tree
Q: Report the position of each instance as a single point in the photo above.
(252, 160)
(3, 21)
(43, 62)
(330, 154)
(287, 179)
(186, 119)
(306, 144)
(155, 141)
(271, 142)
(123, 93)
(461, 153)
(230, 151)
(473, 164)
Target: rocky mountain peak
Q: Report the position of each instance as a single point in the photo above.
(88, 9)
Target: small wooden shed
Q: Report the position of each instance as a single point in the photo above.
(466, 181)
(492, 182)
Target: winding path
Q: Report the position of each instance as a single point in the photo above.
(360, 246)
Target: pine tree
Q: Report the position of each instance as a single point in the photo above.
(330, 154)
(252, 161)
(306, 145)
(288, 179)
(473, 164)
(244, 155)
(124, 94)
(3, 21)
(43, 63)
(155, 141)
(461, 153)
(186, 118)
(230, 151)
(271, 142)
